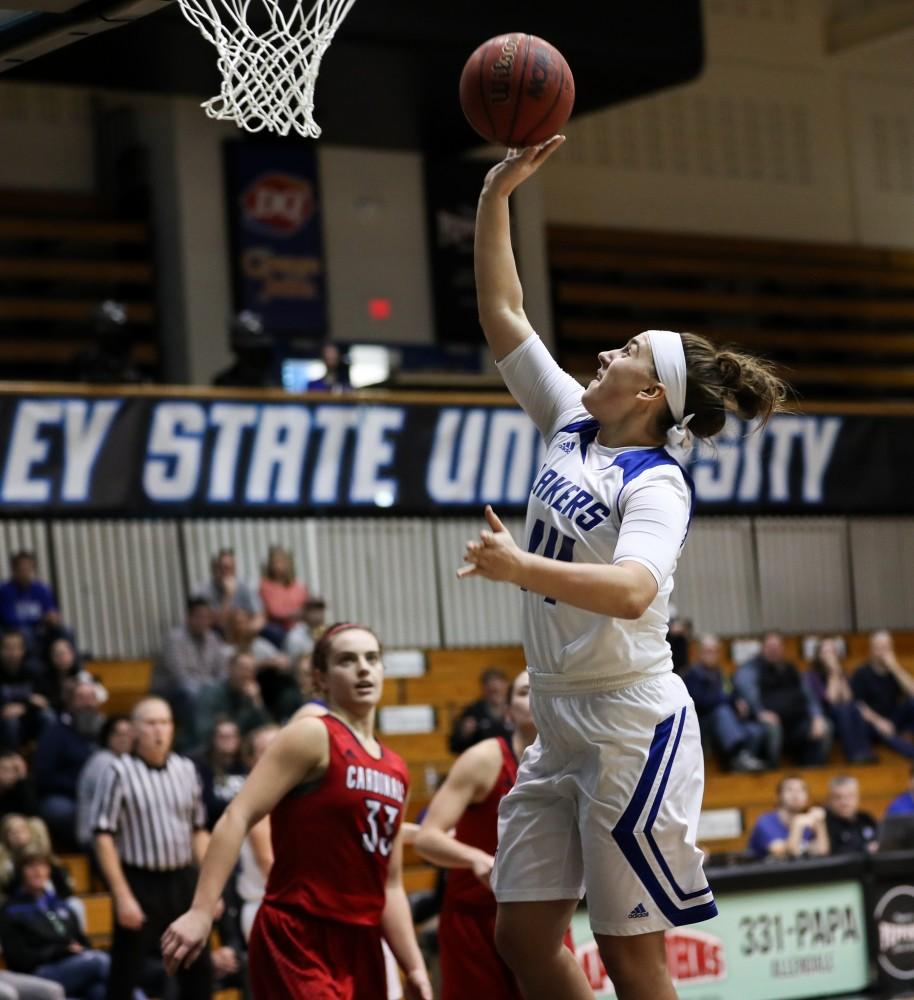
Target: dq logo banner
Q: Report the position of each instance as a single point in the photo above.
(277, 250)
(278, 204)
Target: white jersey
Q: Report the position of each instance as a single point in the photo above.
(593, 504)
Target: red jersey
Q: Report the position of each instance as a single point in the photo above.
(332, 838)
(478, 827)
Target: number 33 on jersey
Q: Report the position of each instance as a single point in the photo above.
(344, 826)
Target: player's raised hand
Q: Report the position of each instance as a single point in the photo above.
(518, 165)
(184, 939)
(496, 555)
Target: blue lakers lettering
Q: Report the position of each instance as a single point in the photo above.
(570, 500)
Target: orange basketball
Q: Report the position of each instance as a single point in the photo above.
(516, 90)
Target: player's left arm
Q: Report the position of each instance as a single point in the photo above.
(398, 930)
(623, 590)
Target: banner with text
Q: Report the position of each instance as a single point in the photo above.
(275, 228)
(785, 943)
(192, 456)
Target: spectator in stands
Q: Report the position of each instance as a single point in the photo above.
(486, 717)
(18, 836)
(273, 668)
(115, 738)
(850, 831)
(282, 595)
(885, 693)
(237, 699)
(61, 666)
(336, 371)
(724, 720)
(792, 830)
(230, 958)
(256, 858)
(302, 693)
(828, 682)
(903, 804)
(16, 792)
(777, 697)
(193, 655)
(63, 749)
(221, 768)
(256, 361)
(680, 635)
(243, 636)
(22, 709)
(224, 592)
(27, 603)
(108, 361)
(42, 936)
(19, 986)
(302, 636)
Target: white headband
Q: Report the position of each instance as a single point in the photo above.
(670, 365)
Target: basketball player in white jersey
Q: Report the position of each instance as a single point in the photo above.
(607, 799)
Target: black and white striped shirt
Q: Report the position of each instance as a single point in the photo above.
(152, 812)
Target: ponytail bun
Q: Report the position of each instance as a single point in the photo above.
(752, 384)
(722, 381)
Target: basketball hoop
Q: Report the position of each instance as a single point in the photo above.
(268, 76)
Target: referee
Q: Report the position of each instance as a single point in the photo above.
(148, 819)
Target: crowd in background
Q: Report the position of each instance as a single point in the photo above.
(770, 710)
(797, 828)
(239, 665)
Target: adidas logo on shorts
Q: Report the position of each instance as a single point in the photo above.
(638, 911)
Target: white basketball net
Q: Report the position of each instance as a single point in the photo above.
(267, 78)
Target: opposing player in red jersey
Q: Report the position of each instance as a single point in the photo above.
(336, 798)
(468, 800)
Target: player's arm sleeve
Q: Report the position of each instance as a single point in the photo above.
(544, 390)
(655, 518)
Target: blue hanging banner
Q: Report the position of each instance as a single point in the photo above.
(275, 229)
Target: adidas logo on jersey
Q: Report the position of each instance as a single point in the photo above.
(637, 912)
(567, 446)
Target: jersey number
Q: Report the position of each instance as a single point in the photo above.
(376, 839)
(565, 552)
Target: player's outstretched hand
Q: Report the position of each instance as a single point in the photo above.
(184, 939)
(518, 165)
(417, 986)
(496, 555)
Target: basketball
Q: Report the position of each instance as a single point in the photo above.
(516, 90)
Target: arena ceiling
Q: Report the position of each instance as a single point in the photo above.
(390, 77)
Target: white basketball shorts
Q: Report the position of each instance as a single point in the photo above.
(606, 803)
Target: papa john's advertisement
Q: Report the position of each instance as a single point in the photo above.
(775, 945)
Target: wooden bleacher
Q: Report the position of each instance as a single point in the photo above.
(126, 681)
(830, 315)
(61, 254)
(452, 680)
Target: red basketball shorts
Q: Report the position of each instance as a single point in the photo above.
(296, 955)
(470, 965)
